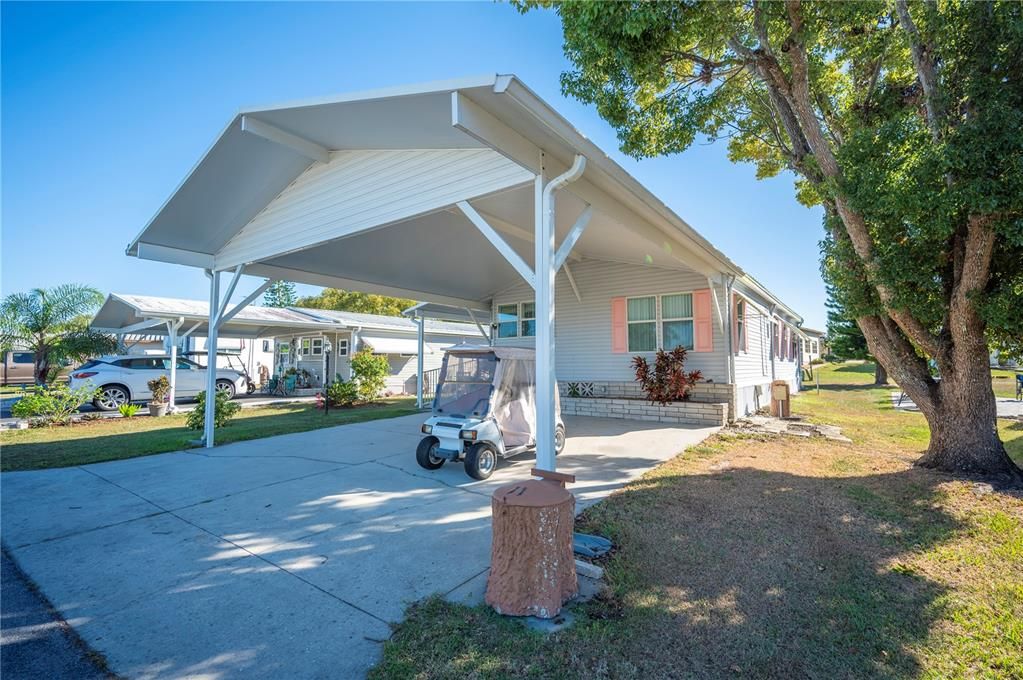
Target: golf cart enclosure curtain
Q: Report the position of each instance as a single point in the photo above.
(515, 401)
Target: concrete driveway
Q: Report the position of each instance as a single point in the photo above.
(281, 557)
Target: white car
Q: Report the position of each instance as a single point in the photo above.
(123, 379)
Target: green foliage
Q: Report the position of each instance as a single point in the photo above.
(54, 324)
(160, 387)
(128, 410)
(369, 372)
(665, 74)
(343, 392)
(352, 301)
(280, 294)
(223, 410)
(844, 337)
(53, 404)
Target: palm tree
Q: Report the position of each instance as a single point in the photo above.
(54, 324)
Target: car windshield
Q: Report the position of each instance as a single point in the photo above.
(466, 383)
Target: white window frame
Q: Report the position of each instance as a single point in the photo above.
(661, 319)
(317, 347)
(658, 320)
(741, 325)
(520, 318)
(283, 347)
(342, 347)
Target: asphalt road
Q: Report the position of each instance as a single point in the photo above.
(35, 642)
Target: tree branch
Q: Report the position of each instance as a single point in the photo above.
(926, 69)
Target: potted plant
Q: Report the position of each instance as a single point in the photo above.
(160, 387)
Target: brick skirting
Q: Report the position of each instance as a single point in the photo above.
(681, 412)
(717, 394)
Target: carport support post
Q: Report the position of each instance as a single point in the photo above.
(421, 322)
(211, 358)
(172, 337)
(545, 267)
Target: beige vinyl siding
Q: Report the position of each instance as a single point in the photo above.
(583, 329)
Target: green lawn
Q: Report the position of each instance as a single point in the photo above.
(763, 557)
(1004, 382)
(117, 438)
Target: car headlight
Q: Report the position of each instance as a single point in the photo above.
(467, 434)
(427, 429)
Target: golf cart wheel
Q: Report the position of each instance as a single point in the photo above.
(426, 453)
(481, 461)
(227, 387)
(559, 439)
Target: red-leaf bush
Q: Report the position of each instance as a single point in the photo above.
(667, 380)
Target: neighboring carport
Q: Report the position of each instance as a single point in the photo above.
(123, 314)
(443, 192)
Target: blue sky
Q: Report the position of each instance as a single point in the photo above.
(105, 108)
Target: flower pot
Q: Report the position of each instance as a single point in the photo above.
(158, 409)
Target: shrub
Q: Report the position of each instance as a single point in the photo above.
(160, 387)
(667, 381)
(369, 373)
(55, 403)
(342, 392)
(128, 410)
(223, 410)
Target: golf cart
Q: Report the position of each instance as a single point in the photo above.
(233, 359)
(484, 410)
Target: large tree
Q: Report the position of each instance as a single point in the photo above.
(280, 294)
(54, 324)
(353, 301)
(901, 119)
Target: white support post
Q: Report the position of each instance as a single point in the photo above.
(211, 357)
(420, 333)
(571, 282)
(572, 238)
(544, 265)
(172, 336)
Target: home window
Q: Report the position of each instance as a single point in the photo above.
(740, 324)
(815, 346)
(641, 315)
(305, 346)
(317, 346)
(507, 321)
(677, 321)
(342, 348)
(516, 320)
(266, 346)
(283, 348)
(528, 310)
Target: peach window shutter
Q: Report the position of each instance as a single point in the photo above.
(619, 326)
(703, 327)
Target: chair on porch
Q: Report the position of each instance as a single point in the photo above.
(289, 384)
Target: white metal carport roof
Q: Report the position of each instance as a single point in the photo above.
(124, 313)
(266, 195)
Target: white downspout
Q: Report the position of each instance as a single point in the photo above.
(544, 270)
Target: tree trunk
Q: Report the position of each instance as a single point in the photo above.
(964, 434)
(880, 375)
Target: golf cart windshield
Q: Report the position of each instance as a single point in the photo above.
(466, 383)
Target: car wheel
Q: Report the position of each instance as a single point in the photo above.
(227, 387)
(559, 439)
(111, 397)
(481, 461)
(426, 453)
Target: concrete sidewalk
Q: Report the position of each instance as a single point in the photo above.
(280, 557)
